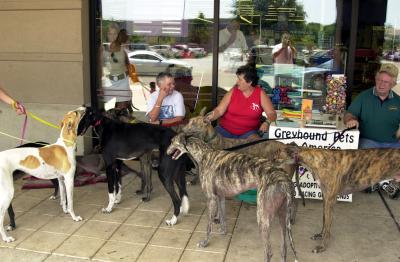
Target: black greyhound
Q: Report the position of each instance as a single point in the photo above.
(122, 141)
(17, 174)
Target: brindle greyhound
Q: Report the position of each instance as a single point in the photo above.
(225, 174)
(201, 128)
(343, 172)
(329, 167)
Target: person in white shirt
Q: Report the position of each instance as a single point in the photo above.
(232, 37)
(284, 53)
(232, 46)
(165, 106)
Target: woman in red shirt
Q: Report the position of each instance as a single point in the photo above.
(241, 108)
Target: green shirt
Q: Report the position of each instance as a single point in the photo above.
(379, 120)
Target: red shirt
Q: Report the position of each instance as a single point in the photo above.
(243, 113)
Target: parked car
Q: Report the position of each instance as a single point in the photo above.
(167, 51)
(186, 53)
(197, 50)
(392, 55)
(262, 54)
(136, 46)
(321, 57)
(152, 63)
(191, 50)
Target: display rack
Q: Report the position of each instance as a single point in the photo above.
(288, 84)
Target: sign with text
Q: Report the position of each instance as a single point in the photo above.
(315, 138)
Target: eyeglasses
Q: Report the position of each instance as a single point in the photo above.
(379, 81)
(115, 60)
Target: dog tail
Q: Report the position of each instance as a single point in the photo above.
(289, 215)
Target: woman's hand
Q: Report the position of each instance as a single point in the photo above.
(19, 108)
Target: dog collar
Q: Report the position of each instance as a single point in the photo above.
(211, 138)
(98, 122)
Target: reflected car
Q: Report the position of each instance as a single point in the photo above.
(262, 54)
(321, 57)
(166, 50)
(191, 50)
(197, 50)
(234, 54)
(136, 46)
(151, 63)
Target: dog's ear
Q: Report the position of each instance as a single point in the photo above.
(293, 149)
(203, 111)
(206, 120)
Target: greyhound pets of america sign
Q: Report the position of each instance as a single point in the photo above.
(315, 138)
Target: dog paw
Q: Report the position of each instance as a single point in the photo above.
(203, 243)
(8, 239)
(318, 249)
(317, 237)
(77, 218)
(10, 228)
(52, 197)
(106, 210)
(172, 221)
(145, 199)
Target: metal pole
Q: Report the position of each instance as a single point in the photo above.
(215, 44)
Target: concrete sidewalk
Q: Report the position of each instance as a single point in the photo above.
(136, 231)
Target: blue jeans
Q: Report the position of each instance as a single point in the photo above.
(225, 133)
(368, 143)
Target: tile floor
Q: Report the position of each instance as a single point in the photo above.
(135, 231)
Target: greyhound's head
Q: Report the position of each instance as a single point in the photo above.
(122, 115)
(178, 146)
(69, 126)
(91, 117)
(200, 127)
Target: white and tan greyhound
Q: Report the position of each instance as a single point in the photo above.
(53, 161)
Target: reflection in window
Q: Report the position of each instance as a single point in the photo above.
(173, 36)
(293, 44)
(391, 45)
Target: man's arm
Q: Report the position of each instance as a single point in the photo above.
(154, 109)
(350, 120)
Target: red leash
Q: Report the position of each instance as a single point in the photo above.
(18, 106)
(24, 129)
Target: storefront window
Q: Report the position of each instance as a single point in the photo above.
(294, 45)
(390, 50)
(173, 36)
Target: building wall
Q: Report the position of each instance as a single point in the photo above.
(44, 63)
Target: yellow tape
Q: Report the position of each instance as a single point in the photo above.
(43, 121)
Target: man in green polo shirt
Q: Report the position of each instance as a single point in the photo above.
(376, 112)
